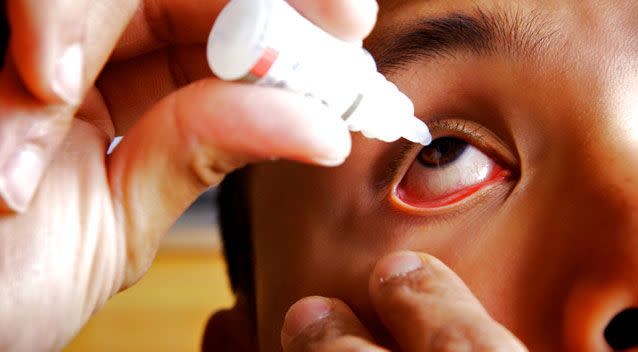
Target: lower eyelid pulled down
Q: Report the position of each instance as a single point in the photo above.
(440, 200)
(487, 162)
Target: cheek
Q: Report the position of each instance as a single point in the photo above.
(321, 231)
(310, 231)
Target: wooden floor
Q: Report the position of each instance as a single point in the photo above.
(166, 311)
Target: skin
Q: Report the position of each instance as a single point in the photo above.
(59, 48)
(105, 236)
(89, 227)
(550, 252)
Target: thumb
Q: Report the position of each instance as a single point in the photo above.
(427, 307)
(191, 139)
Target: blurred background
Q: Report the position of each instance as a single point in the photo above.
(169, 308)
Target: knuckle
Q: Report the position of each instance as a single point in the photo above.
(208, 162)
(473, 333)
(329, 335)
(209, 167)
(450, 339)
(157, 16)
(314, 337)
(346, 344)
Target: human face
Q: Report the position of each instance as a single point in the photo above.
(538, 215)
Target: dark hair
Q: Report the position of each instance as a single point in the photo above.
(4, 32)
(235, 229)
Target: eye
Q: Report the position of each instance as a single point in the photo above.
(446, 172)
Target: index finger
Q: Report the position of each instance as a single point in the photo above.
(32, 127)
(427, 307)
(324, 324)
(47, 46)
(169, 22)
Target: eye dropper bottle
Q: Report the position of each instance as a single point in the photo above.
(269, 43)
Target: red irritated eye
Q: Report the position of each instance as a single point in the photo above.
(446, 172)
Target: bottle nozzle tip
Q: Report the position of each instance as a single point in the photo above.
(417, 131)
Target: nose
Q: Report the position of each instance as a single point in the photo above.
(602, 304)
(601, 317)
(593, 250)
(622, 331)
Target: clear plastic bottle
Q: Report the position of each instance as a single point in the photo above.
(267, 42)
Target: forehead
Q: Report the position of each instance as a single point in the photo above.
(584, 6)
(587, 19)
(587, 71)
(586, 42)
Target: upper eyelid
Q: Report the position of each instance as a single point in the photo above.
(488, 142)
(473, 132)
(451, 124)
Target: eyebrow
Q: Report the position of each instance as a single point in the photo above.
(480, 33)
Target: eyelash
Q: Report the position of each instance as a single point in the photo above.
(478, 136)
(473, 134)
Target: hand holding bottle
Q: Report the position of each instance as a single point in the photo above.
(79, 226)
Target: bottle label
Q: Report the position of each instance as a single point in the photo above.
(355, 104)
(296, 73)
(300, 57)
(262, 66)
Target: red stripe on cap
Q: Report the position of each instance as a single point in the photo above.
(264, 64)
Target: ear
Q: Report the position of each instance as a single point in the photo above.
(231, 330)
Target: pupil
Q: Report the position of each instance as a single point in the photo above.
(442, 152)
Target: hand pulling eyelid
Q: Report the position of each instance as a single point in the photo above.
(267, 42)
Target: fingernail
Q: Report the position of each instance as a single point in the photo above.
(69, 72)
(335, 150)
(303, 314)
(372, 8)
(367, 8)
(334, 142)
(399, 264)
(20, 178)
(329, 163)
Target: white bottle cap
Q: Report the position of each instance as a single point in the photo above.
(267, 42)
(236, 44)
